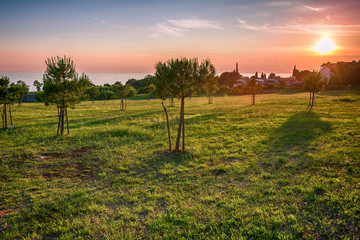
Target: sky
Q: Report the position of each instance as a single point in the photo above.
(109, 36)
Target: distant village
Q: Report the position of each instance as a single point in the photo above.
(338, 75)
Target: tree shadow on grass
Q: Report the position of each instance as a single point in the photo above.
(293, 139)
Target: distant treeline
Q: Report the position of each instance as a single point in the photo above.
(345, 76)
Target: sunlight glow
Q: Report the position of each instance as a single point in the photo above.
(324, 46)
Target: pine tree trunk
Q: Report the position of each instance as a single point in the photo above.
(67, 121)
(62, 122)
(59, 118)
(171, 101)
(167, 124)
(2, 116)
(180, 126)
(5, 117)
(313, 97)
(11, 122)
(183, 127)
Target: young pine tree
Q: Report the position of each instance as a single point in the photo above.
(63, 87)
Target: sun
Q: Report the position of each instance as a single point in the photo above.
(324, 46)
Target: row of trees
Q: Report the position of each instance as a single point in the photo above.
(175, 78)
(10, 94)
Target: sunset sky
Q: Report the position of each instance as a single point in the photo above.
(111, 36)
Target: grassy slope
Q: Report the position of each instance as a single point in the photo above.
(267, 171)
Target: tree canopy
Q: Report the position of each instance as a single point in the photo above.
(123, 91)
(62, 86)
(229, 78)
(181, 78)
(313, 83)
(253, 88)
(9, 94)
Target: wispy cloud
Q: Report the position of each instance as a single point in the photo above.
(312, 8)
(244, 24)
(106, 23)
(295, 28)
(178, 28)
(62, 36)
(195, 23)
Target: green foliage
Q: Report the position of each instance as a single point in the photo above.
(62, 86)
(314, 82)
(253, 88)
(142, 84)
(10, 94)
(300, 75)
(38, 85)
(93, 92)
(271, 172)
(345, 74)
(150, 89)
(229, 78)
(124, 91)
(22, 90)
(4, 90)
(182, 78)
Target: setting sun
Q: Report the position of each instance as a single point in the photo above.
(325, 46)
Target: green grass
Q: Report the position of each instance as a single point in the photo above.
(270, 171)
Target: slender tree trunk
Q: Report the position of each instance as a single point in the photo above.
(19, 103)
(11, 122)
(92, 99)
(62, 121)
(125, 103)
(59, 118)
(183, 127)
(122, 103)
(171, 102)
(67, 121)
(180, 125)
(2, 116)
(58, 112)
(167, 124)
(313, 97)
(309, 100)
(5, 117)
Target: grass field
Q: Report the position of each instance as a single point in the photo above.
(270, 171)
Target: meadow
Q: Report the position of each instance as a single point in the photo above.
(269, 171)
